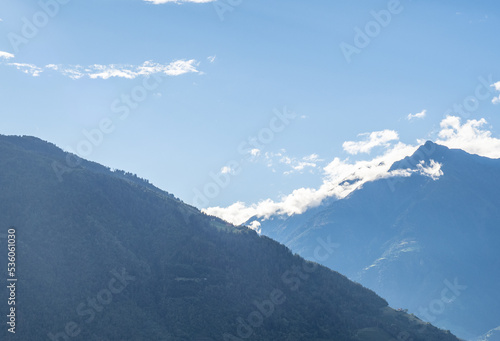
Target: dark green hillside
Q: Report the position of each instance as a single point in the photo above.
(104, 255)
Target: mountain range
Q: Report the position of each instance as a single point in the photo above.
(426, 243)
(105, 255)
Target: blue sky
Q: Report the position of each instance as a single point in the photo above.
(204, 78)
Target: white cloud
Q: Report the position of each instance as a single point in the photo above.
(469, 136)
(292, 164)
(29, 69)
(255, 152)
(375, 139)
(270, 158)
(98, 71)
(6, 55)
(211, 59)
(159, 2)
(73, 73)
(433, 170)
(226, 170)
(341, 177)
(52, 67)
(417, 115)
(312, 158)
(286, 160)
(299, 165)
(339, 180)
(255, 225)
(108, 71)
(175, 68)
(496, 100)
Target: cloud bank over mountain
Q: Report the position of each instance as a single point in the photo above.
(342, 177)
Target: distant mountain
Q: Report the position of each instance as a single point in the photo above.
(104, 255)
(425, 244)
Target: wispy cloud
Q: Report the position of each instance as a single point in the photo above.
(496, 99)
(29, 69)
(299, 165)
(226, 170)
(159, 2)
(375, 139)
(211, 59)
(98, 71)
(417, 115)
(291, 164)
(6, 55)
(312, 158)
(255, 152)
